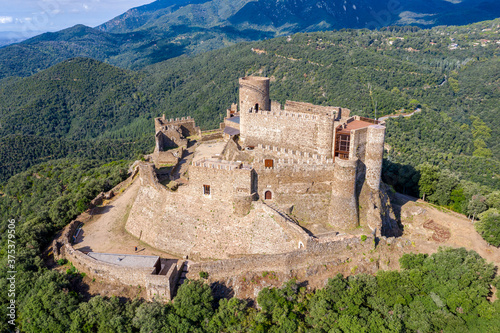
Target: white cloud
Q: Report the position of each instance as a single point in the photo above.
(6, 19)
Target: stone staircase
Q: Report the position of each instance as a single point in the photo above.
(281, 212)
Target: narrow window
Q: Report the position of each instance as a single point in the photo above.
(269, 164)
(206, 189)
(257, 107)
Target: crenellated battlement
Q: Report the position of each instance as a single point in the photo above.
(300, 111)
(214, 163)
(287, 156)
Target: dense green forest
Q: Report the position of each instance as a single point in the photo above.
(446, 291)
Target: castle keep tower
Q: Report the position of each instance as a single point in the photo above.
(254, 94)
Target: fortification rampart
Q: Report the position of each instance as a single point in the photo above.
(162, 286)
(221, 224)
(290, 227)
(316, 253)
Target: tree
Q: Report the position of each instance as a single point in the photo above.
(489, 226)
(194, 302)
(476, 205)
(48, 307)
(100, 315)
(229, 317)
(429, 175)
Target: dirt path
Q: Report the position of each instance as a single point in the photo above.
(106, 233)
(431, 227)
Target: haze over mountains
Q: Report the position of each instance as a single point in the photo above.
(168, 28)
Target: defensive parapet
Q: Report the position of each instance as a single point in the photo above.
(285, 156)
(187, 125)
(344, 207)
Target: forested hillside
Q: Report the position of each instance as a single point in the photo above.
(166, 29)
(369, 72)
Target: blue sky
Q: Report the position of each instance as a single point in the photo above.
(52, 15)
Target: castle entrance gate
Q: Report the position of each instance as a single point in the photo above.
(268, 195)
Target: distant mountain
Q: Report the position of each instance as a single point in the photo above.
(11, 37)
(168, 28)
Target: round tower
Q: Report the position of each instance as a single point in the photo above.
(254, 94)
(374, 155)
(344, 207)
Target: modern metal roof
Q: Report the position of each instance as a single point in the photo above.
(126, 260)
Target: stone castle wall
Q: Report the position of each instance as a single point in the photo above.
(183, 223)
(305, 132)
(187, 125)
(287, 157)
(316, 253)
(163, 286)
(344, 195)
(224, 183)
(374, 155)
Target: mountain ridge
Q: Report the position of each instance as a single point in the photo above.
(166, 29)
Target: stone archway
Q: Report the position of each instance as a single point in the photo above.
(268, 195)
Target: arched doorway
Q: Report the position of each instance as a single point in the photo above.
(268, 195)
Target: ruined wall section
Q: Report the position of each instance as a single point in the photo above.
(187, 125)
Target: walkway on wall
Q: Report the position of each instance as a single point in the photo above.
(184, 272)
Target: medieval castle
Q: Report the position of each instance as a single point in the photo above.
(266, 181)
(273, 189)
